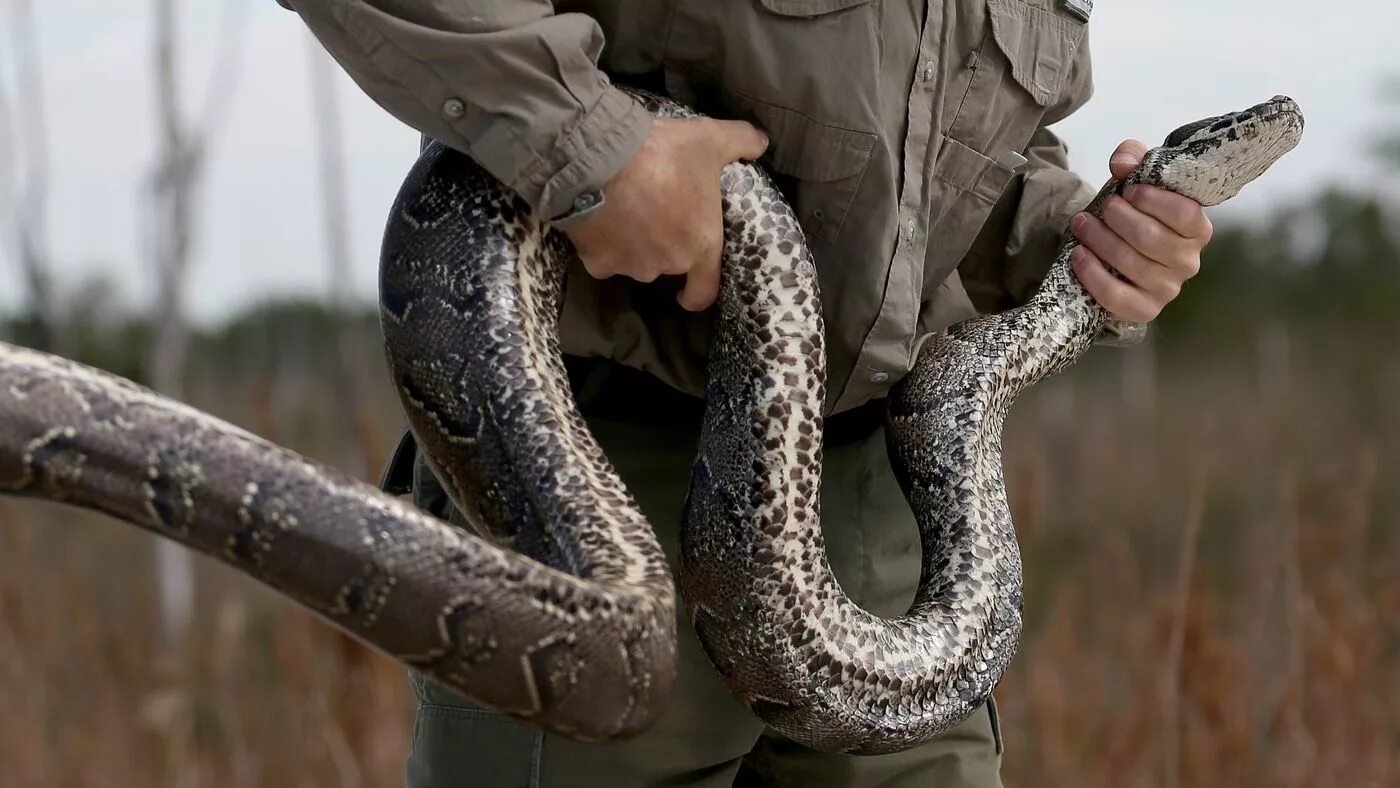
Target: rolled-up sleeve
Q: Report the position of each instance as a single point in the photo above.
(508, 82)
(1027, 227)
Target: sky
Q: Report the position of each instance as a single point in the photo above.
(1158, 65)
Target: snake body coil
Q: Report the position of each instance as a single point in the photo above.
(573, 627)
(754, 574)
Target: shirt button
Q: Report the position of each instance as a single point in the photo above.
(879, 377)
(926, 73)
(454, 108)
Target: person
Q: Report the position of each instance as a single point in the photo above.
(912, 140)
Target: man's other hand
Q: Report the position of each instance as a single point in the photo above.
(1151, 236)
(662, 213)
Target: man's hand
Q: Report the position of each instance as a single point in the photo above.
(1151, 236)
(662, 213)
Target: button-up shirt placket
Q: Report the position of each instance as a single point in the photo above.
(887, 349)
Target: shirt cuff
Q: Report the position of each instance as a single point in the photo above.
(591, 153)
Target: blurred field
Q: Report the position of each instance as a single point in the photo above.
(1213, 570)
(1210, 523)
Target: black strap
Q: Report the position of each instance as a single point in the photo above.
(397, 478)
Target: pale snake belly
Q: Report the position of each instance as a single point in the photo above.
(573, 627)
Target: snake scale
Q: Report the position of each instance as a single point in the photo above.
(556, 604)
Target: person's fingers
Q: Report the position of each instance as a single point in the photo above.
(597, 267)
(1153, 239)
(739, 140)
(701, 284)
(1110, 248)
(1182, 214)
(1121, 299)
(1126, 158)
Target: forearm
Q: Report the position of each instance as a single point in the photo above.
(513, 85)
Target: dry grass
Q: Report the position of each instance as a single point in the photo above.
(1213, 586)
(1213, 570)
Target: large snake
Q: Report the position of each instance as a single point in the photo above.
(562, 611)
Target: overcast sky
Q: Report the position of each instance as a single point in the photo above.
(1159, 63)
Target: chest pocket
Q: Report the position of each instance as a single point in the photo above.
(1026, 55)
(808, 8)
(1020, 56)
(805, 71)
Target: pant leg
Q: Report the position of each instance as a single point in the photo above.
(705, 737)
(699, 738)
(873, 545)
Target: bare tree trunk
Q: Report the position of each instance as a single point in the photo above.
(349, 716)
(1170, 688)
(9, 162)
(173, 184)
(170, 227)
(25, 142)
(350, 369)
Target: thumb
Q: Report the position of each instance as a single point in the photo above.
(701, 286)
(1127, 158)
(740, 140)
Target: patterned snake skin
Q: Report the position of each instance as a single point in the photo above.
(561, 610)
(754, 573)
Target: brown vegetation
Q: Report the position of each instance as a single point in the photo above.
(1213, 591)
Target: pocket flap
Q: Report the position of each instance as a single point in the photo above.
(808, 7)
(971, 172)
(1040, 45)
(802, 147)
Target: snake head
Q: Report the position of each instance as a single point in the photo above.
(1212, 159)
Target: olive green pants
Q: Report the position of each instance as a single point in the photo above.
(706, 737)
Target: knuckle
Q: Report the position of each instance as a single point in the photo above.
(1118, 216)
(710, 251)
(1128, 258)
(1153, 237)
(1145, 197)
(1148, 312)
(1093, 228)
(710, 127)
(598, 268)
(676, 260)
(1114, 208)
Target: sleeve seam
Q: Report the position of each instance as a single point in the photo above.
(574, 170)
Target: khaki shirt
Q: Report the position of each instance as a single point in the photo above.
(910, 136)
